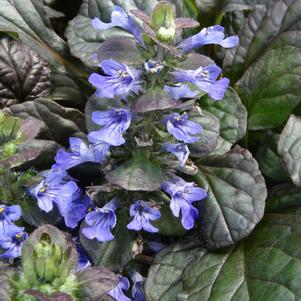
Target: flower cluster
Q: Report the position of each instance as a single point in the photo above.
(131, 120)
(12, 237)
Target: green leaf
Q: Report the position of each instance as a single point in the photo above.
(28, 19)
(95, 283)
(25, 76)
(108, 254)
(209, 135)
(266, 266)
(195, 60)
(59, 122)
(6, 275)
(231, 113)
(163, 280)
(154, 99)
(283, 197)
(65, 91)
(139, 173)
(121, 49)
(270, 87)
(289, 148)
(268, 159)
(236, 196)
(267, 61)
(84, 40)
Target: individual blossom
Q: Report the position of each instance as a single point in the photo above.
(142, 213)
(119, 80)
(83, 259)
(78, 210)
(12, 243)
(211, 35)
(179, 91)
(183, 194)
(180, 150)
(79, 152)
(100, 222)
(138, 286)
(204, 79)
(153, 67)
(119, 18)
(9, 214)
(115, 122)
(117, 292)
(54, 188)
(183, 129)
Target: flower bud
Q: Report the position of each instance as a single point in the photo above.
(163, 21)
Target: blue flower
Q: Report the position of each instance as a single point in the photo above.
(8, 214)
(211, 35)
(83, 260)
(101, 221)
(181, 128)
(152, 67)
(138, 286)
(55, 189)
(115, 122)
(120, 80)
(183, 194)
(79, 207)
(180, 150)
(79, 153)
(180, 91)
(120, 18)
(142, 212)
(117, 292)
(205, 79)
(12, 243)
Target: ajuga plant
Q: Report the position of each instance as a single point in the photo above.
(127, 141)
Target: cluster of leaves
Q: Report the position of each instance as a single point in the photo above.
(45, 58)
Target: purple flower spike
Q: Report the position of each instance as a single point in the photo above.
(205, 79)
(142, 212)
(180, 91)
(211, 35)
(117, 292)
(120, 18)
(120, 80)
(79, 153)
(55, 189)
(115, 122)
(83, 259)
(8, 214)
(12, 243)
(183, 194)
(180, 150)
(138, 286)
(181, 128)
(101, 221)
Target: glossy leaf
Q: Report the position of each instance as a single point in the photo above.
(268, 159)
(28, 18)
(60, 122)
(208, 137)
(164, 277)
(116, 48)
(139, 173)
(231, 113)
(289, 148)
(264, 266)
(236, 196)
(95, 283)
(154, 99)
(24, 75)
